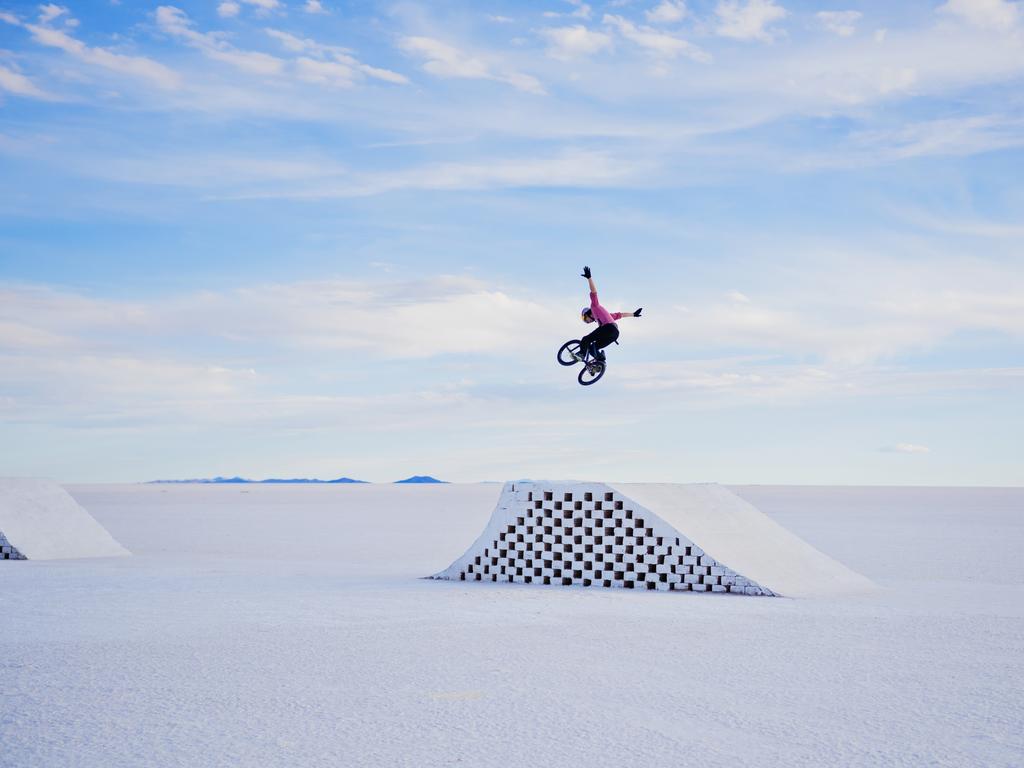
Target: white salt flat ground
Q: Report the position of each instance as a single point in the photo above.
(286, 626)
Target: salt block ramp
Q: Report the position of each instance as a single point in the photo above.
(746, 539)
(43, 522)
(679, 538)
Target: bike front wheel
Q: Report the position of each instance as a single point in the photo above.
(567, 352)
(592, 371)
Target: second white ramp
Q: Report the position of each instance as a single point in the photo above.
(43, 522)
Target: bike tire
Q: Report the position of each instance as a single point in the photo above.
(565, 352)
(591, 373)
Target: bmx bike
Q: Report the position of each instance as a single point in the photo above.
(593, 365)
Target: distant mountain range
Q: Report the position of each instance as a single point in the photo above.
(295, 480)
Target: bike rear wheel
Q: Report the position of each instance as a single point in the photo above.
(566, 352)
(592, 371)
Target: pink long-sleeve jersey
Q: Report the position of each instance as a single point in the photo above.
(602, 315)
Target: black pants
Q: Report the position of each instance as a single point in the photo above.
(600, 338)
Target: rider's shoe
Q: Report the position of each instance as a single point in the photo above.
(599, 354)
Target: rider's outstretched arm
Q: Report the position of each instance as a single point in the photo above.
(618, 315)
(590, 280)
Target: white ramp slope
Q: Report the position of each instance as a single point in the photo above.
(693, 538)
(41, 521)
(747, 540)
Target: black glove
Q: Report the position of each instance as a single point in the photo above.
(586, 272)
(637, 313)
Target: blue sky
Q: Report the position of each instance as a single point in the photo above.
(274, 237)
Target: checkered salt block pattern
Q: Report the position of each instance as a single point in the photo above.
(588, 535)
(8, 551)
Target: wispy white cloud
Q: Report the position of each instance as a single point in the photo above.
(731, 381)
(656, 41)
(409, 320)
(316, 63)
(20, 85)
(842, 23)
(176, 23)
(968, 226)
(280, 173)
(314, 6)
(667, 12)
(231, 8)
(568, 169)
(228, 9)
(748, 19)
(104, 58)
(297, 44)
(334, 73)
(906, 448)
(950, 137)
(386, 75)
(221, 173)
(574, 41)
(443, 60)
(50, 11)
(728, 382)
(826, 76)
(68, 359)
(330, 64)
(1001, 15)
(581, 10)
(841, 318)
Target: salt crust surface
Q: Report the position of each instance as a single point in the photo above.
(287, 626)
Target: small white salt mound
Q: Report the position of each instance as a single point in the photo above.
(680, 538)
(40, 521)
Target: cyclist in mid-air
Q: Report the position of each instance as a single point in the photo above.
(607, 331)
